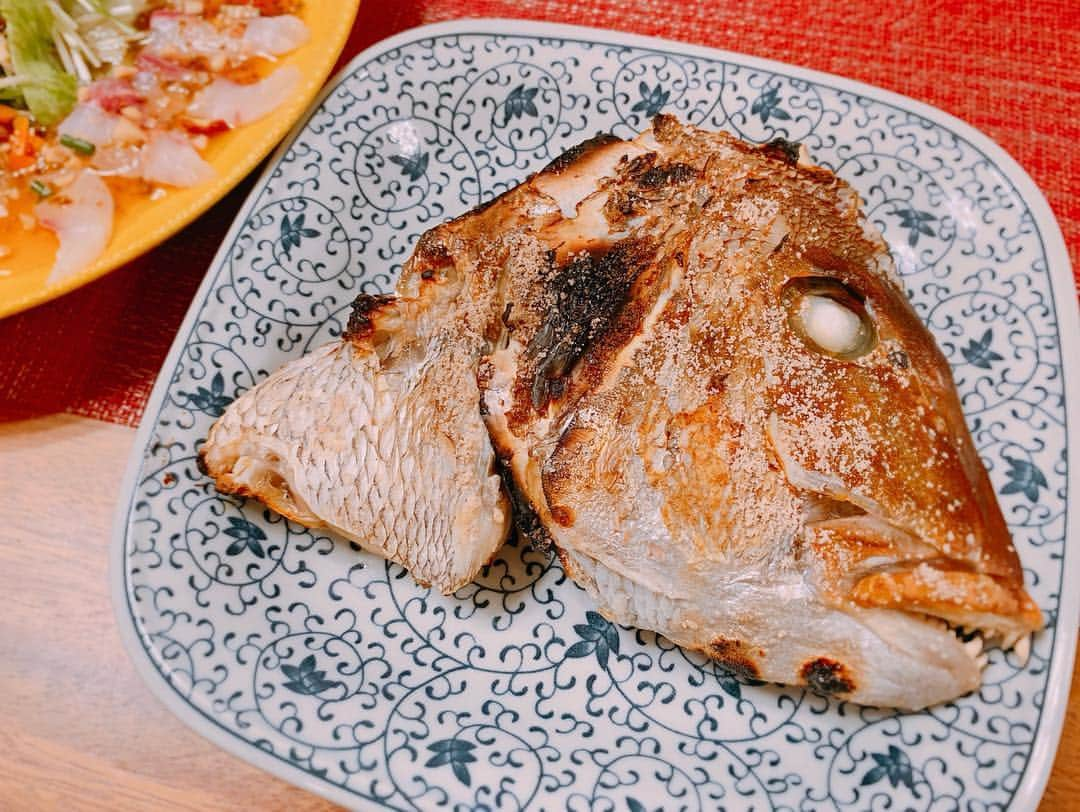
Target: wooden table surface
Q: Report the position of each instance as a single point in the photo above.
(81, 730)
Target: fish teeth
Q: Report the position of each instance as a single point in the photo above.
(1022, 649)
(974, 646)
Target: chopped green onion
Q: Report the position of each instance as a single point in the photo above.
(40, 189)
(77, 144)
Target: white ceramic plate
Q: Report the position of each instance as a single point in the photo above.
(336, 671)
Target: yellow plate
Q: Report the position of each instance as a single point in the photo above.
(142, 224)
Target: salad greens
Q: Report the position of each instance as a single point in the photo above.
(52, 46)
(39, 79)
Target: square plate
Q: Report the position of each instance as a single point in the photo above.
(334, 670)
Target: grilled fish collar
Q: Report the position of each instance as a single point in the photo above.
(377, 438)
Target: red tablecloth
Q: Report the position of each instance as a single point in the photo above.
(1009, 67)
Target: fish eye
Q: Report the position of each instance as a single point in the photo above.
(829, 316)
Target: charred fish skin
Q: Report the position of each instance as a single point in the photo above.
(690, 355)
(744, 438)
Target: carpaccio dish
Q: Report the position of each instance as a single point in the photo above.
(103, 101)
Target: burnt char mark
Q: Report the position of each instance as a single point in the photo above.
(589, 294)
(622, 204)
(431, 254)
(782, 150)
(564, 161)
(527, 523)
(648, 175)
(640, 164)
(657, 177)
(666, 127)
(360, 324)
(827, 676)
(734, 657)
(648, 181)
(556, 167)
(899, 359)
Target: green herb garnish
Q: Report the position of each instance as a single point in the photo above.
(77, 144)
(40, 189)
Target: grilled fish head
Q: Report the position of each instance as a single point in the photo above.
(723, 411)
(865, 421)
(901, 531)
(689, 361)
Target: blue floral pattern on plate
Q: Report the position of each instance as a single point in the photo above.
(296, 650)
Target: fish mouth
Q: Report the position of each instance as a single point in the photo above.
(974, 642)
(864, 560)
(862, 564)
